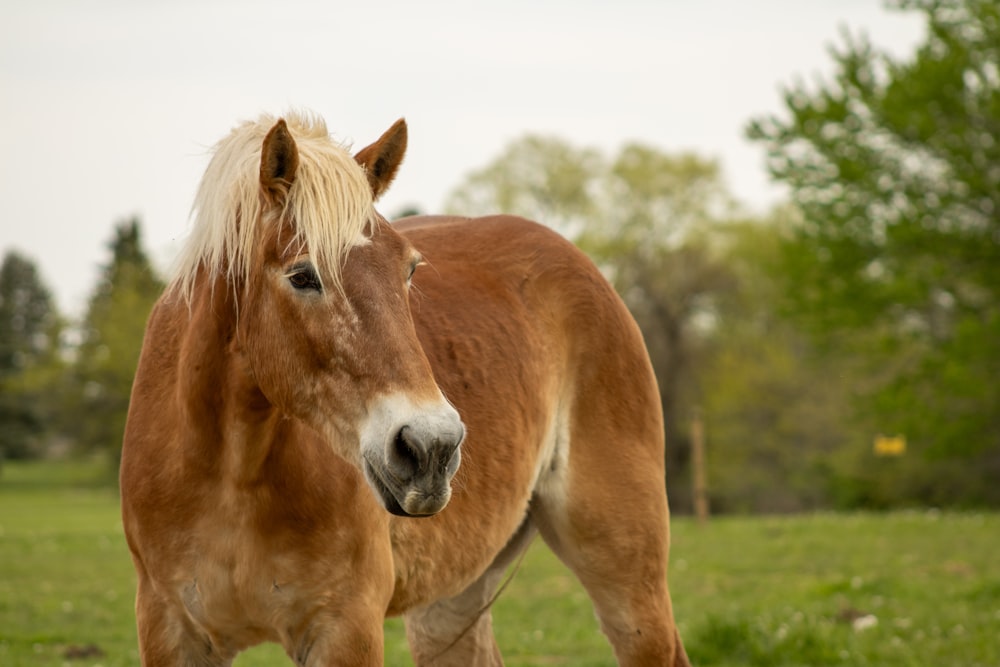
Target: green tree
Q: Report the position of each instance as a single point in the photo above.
(895, 165)
(539, 178)
(111, 339)
(639, 216)
(29, 328)
(775, 404)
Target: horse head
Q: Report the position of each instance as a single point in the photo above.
(324, 327)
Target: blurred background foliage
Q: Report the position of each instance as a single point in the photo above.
(868, 303)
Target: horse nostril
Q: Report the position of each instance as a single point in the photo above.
(406, 455)
(420, 452)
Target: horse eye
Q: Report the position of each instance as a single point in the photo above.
(413, 268)
(305, 279)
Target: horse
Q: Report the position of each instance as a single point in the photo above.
(336, 419)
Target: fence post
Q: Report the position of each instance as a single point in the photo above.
(699, 488)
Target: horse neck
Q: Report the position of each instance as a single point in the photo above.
(233, 425)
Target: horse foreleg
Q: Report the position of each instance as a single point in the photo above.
(458, 631)
(167, 639)
(353, 641)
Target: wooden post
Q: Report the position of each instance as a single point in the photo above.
(699, 487)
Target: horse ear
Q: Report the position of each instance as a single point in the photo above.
(279, 160)
(381, 160)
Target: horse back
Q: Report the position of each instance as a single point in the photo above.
(527, 304)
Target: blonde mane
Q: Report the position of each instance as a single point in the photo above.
(330, 201)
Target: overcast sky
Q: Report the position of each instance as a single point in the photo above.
(108, 107)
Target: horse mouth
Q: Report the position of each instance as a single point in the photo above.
(394, 495)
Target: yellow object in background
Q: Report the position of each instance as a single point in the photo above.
(886, 445)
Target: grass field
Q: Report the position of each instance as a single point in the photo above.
(910, 588)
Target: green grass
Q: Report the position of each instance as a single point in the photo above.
(765, 591)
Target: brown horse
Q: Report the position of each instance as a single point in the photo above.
(298, 379)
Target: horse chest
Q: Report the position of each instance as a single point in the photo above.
(250, 575)
(232, 582)
(244, 579)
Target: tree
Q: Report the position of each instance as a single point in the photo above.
(775, 404)
(539, 178)
(638, 215)
(895, 165)
(28, 341)
(111, 339)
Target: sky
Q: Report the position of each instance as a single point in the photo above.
(108, 108)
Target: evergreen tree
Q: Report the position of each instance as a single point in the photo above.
(28, 340)
(111, 339)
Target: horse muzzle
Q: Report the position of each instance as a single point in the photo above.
(411, 454)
